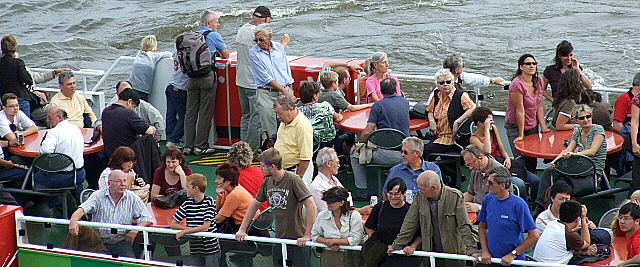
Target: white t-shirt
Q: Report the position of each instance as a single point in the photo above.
(555, 243)
(21, 121)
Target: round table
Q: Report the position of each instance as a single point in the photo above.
(31, 147)
(356, 121)
(549, 145)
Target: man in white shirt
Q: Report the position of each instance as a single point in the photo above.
(13, 121)
(65, 138)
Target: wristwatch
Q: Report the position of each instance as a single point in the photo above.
(514, 253)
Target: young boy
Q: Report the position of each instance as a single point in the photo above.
(200, 212)
(629, 222)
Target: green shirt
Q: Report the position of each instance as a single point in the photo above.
(321, 117)
(601, 155)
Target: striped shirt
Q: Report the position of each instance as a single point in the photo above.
(103, 209)
(196, 214)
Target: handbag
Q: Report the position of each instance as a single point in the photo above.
(265, 141)
(141, 191)
(35, 102)
(418, 111)
(374, 250)
(582, 185)
(171, 201)
(228, 226)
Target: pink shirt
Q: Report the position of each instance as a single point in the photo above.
(530, 103)
(373, 86)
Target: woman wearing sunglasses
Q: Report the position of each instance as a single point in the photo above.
(525, 112)
(588, 138)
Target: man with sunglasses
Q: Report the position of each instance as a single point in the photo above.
(250, 119)
(412, 165)
(271, 73)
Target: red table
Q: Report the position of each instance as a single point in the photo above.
(618, 253)
(163, 217)
(549, 145)
(356, 121)
(31, 147)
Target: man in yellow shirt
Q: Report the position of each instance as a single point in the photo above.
(295, 139)
(74, 104)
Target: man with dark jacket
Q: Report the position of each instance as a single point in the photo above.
(121, 125)
(439, 212)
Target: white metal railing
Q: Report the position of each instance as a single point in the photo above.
(110, 70)
(23, 242)
(83, 73)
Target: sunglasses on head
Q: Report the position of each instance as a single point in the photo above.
(584, 117)
(445, 82)
(259, 39)
(530, 63)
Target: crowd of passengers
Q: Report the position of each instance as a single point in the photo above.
(420, 207)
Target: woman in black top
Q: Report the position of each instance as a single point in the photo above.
(386, 223)
(14, 77)
(563, 61)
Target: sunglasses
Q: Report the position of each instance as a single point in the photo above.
(530, 63)
(262, 39)
(584, 117)
(443, 82)
(405, 152)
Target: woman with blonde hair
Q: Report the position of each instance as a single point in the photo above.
(144, 65)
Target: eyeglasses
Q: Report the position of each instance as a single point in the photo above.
(443, 82)
(584, 117)
(262, 39)
(530, 63)
(405, 152)
(396, 194)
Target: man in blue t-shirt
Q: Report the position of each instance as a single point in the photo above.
(390, 112)
(504, 218)
(412, 165)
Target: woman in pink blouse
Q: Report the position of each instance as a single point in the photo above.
(379, 69)
(525, 111)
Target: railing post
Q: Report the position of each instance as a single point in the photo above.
(432, 260)
(284, 254)
(147, 253)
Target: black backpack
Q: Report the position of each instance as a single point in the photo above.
(194, 54)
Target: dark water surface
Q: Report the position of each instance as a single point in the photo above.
(490, 34)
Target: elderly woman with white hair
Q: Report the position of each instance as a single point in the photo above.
(379, 69)
(447, 109)
(144, 65)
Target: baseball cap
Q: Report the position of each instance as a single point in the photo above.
(262, 12)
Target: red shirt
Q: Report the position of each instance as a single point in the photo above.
(622, 108)
(633, 245)
(166, 188)
(251, 179)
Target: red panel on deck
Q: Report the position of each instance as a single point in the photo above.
(8, 245)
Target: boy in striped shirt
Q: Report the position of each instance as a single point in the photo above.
(200, 211)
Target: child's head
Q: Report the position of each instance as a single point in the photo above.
(198, 181)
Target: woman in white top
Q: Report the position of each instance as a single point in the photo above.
(144, 65)
(339, 225)
(123, 158)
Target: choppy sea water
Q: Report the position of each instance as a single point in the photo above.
(490, 34)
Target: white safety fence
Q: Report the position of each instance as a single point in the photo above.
(22, 242)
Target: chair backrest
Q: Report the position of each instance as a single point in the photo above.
(549, 118)
(387, 138)
(53, 162)
(463, 133)
(264, 221)
(578, 165)
(607, 218)
(86, 194)
(515, 190)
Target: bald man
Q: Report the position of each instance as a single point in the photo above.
(445, 227)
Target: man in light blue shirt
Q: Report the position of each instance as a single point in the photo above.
(412, 165)
(201, 91)
(271, 73)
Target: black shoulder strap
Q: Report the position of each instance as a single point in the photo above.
(205, 33)
(379, 215)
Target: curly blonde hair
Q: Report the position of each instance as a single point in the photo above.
(241, 154)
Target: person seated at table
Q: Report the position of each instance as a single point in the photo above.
(250, 177)
(455, 64)
(199, 211)
(171, 176)
(122, 159)
(65, 138)
(121, 125)
(411, 166)
(559, 193)
(379, 69)
(144, 65)
(10, 171)
(563, 61)
(388, 226)
(629, 221)
(589, 139)
(390, 112)
(567, 95)
(481, 163)
(127, 208)
(338, 225)
(320, 115)
(446, 112)
(332, 94)
(13, 121)
(525, 111)
(80, 113)
(559, 242)
(602, 111)
(233, 199)
(328, 165)
(635, 198)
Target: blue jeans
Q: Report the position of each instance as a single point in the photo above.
(14, 174)
(122, 248)
(25, 106)
(209, 260)
(176, 110)
(60, 179)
